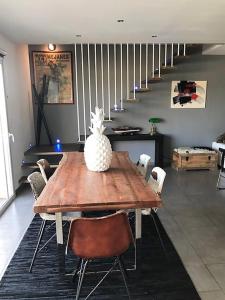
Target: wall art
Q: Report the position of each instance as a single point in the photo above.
(188, 94)
(57, 66)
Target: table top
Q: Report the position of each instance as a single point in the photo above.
(74, 188)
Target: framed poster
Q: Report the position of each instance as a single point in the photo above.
(57, 66)
(188, 94)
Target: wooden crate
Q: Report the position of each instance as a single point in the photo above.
(192, 161)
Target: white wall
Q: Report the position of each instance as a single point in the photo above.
(213, 49)
(19, 105)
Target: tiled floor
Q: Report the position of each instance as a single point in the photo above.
(13, 225)
(193, 215)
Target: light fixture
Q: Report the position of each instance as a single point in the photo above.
(51, 47)
(120, 20)
(78, 35)
(154, 36)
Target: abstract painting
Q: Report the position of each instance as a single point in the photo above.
(188, 94)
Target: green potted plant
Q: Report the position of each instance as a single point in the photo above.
(153, 122)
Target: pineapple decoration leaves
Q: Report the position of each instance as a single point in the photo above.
(97, 149)
(97, 126)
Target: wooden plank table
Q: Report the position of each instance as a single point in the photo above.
(74, 188)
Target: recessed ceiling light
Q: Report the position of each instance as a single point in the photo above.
(154, 36)
(120, 20)
(78, 35)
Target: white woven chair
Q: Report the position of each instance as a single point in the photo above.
(37, 184)
(156, 181)
(143, 164)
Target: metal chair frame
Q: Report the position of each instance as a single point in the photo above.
(82, 271)
(45, 218)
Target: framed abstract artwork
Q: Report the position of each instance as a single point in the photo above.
(57, 66)
(188, 94)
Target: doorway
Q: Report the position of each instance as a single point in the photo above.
(6, 181)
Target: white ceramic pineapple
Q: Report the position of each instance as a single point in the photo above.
(97, 149)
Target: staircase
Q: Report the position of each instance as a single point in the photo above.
(54, 154)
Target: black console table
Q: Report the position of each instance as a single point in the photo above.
(158, 138)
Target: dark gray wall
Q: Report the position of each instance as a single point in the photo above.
(182, 127)
(61, 118)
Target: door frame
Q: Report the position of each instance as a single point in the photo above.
(6, 143)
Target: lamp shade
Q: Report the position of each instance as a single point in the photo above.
(154, 120)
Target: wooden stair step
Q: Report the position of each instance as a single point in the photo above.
(33, 165)
(141, 90)
(167, 68)
(155, 79)
(51, 149)
(132, 100)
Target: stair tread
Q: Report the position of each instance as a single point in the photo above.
(51, 149)
(33, 165)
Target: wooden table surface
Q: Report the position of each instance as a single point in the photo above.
(74, 188)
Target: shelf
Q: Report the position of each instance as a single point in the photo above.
(33, 165)
(52, 150)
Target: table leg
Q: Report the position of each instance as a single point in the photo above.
(60, 245)
(138, 223)
(59, 228)
(138, 235)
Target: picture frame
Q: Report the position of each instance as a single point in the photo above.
(188, 94)
(58, 68)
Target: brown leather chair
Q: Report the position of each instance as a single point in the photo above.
(92, 238)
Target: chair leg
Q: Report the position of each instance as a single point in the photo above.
(159, 235)
(42, 228)
(123, 265)
(81, 277)
(101, 280)
(123, 272)
(218, 181)
(76, 269)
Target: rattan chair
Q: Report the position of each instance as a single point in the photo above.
(96, 238)
(37, 184)
(45, 169)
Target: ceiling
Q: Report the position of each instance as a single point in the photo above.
(44, 21)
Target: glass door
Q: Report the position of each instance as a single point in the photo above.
(6, 182)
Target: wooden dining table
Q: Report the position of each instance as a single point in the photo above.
(74, 188)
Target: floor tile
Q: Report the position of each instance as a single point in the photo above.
(202, 278)
(218, 271)
(213, 295)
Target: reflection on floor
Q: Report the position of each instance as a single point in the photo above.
(13, 224)
(193, 216)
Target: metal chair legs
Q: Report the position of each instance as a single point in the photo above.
(40, 234)
(124, 274)
(158, 232)
(218, 181)
(82, 273)
(77, 269)
(81, 277)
